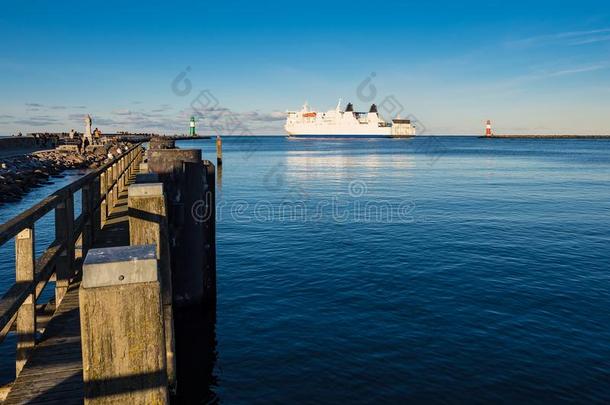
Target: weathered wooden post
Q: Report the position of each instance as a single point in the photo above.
(87, 211)
(209, 226)
(25, 263)
(64, 230)
(218, 150)
(126, 166)
(181, 171)
(122, 173)
(95, 201)
(137, 160)
(104, 197)
(148, 225)
(109, 194)
(122, 338)
(115, 180)
(189, 187)
(131, 156)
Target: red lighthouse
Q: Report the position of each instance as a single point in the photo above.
(488, 128)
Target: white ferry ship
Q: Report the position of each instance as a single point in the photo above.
(348, 123)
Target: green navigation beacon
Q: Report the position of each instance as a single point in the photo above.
(192, 127)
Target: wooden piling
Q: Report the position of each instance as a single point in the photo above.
(148, 226)
(181, 171)
(122, 337)
(209, 232)
(218, 151)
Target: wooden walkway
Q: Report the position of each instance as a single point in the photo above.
(54, 372)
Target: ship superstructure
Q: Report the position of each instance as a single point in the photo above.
(346, 122)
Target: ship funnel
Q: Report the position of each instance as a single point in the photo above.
(349, 108)
(373, 108)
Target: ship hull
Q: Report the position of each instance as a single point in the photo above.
(337, 130)
(339, 136)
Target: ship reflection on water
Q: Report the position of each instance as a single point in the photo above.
(341, 163)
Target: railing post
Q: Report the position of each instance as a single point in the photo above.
(25, 262)
(124, 172)
(128, 157)
(118, 177)
(120, 174)
(115, 179)
(108, 193)
(127, 167)
(135, 157)
(148, 226)
(122, 338)
(87, 212)
(64, 233)
(95, 204)
(104, 198)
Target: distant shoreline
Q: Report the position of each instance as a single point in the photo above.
(546, 137)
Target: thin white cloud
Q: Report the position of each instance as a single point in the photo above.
(573, 38)
(37, 121)
(577, 70)
(591, 40)
(572, 34)
(122, 112)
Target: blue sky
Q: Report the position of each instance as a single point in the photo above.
(539, 66)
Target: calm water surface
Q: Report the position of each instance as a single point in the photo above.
(430, 269)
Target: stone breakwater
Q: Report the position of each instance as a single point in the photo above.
(19, 174)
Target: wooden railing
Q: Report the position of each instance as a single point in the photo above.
(99, 192)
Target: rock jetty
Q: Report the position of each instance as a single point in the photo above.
(19, 174)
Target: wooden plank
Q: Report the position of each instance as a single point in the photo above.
(50, 366)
